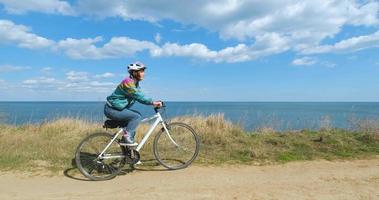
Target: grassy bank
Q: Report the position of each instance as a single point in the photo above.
(52, 145)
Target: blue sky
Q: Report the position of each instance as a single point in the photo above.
(226, 50)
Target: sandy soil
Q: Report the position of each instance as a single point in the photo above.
(357, 179)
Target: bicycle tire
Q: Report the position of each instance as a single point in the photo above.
(87, 162)
(185, 137)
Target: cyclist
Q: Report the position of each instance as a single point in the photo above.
(119, 103)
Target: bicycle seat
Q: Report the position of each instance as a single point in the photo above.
(110, 123)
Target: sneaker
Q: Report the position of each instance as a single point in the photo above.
(127, 141)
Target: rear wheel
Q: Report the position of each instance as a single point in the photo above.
(88, 161)
(178, 148)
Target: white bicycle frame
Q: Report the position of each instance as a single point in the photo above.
(158, 120)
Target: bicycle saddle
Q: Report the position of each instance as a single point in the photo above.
(110, 123)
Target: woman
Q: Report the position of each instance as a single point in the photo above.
(122, 99)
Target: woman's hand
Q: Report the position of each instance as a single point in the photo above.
(157, 104)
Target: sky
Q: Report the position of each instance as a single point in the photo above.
(199, 50)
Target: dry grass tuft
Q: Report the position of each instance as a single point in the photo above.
(51, 145)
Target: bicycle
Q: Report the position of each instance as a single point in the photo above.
(99, 156)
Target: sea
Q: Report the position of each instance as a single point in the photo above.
(250, 115)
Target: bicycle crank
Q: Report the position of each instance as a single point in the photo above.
(132, 156)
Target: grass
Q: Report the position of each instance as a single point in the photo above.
(51, 145)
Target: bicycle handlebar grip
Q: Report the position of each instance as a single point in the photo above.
(157, 108)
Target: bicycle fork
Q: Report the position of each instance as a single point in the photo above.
(168, 133)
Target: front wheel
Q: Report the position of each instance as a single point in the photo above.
(177, 148)
(96, 167)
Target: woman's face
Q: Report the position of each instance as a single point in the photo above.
(139, 75)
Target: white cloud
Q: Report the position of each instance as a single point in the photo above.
(87, 86)
(191, 50)
(296, 24)
(238, 53)
(19, 34)
(40, 80)
(124, 46)
(77, 76)
(79, 48)
(328, 64)
(270, 43)
(348, 45)
(304, 22)
(105, 75)
(116, 47)
(80, 81)
(157, 38)
(366, 14)
(103, 8)
(308, 61)
(312, 21)
(304, 61)
(263, 28)
(73, 82)
(44, 6)
(12, 68)
(97, 84)
(264, 45)
(46, 69)
(41, 83)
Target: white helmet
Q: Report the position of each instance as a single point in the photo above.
(136, 66)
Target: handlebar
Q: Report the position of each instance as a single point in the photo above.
(157, 108)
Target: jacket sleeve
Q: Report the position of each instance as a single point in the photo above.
(131, 90)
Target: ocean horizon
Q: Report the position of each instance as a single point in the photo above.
(251, 115)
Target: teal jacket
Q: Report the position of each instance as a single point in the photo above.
(125, 95)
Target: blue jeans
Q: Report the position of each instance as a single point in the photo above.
(132, 117)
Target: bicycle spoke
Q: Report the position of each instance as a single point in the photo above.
(111, 169)
(178, 148)
(87, 157)
(94, 148)
(87, 161)
(91, 168)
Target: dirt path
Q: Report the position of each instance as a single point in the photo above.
(357, 179)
